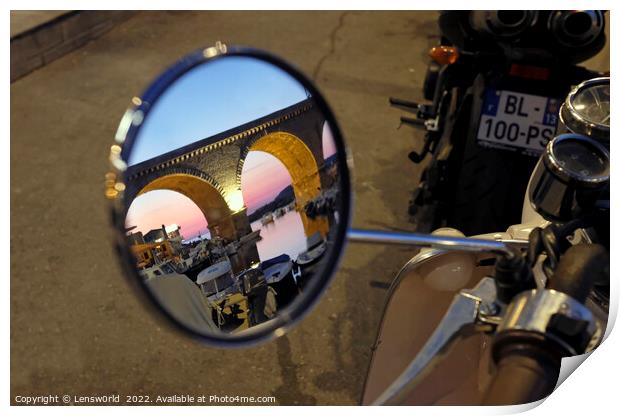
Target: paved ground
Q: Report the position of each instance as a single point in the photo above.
(76, 329)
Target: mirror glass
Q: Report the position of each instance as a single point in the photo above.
(233, 196)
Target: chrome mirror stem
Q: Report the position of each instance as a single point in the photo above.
(428, 240)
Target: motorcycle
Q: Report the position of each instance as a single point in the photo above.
(494, 88)
(497, 362)
(539, 291)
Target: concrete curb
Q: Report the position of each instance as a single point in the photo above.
(42, 44)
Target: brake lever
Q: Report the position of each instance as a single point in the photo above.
(471, 311)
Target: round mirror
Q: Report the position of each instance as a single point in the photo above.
(230, 194)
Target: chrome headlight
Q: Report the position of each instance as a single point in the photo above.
(586, 110)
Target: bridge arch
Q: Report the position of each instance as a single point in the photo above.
(292, 135)
(203, 191)
(301, 164)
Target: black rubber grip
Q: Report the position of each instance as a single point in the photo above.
(522, 377)
(578, 269)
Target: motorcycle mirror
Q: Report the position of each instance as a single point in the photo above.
(230, 195)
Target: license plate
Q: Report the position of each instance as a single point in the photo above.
(515, 121)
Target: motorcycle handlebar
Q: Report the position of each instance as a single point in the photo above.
(580, 267)
(525, 374)
(528, 363)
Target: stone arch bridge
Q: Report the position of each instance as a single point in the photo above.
(208, 171)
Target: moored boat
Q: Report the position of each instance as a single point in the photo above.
(267, 218)
(278, 272)
(224, 292)
(316, 248)
(217, 280)
(157, 270)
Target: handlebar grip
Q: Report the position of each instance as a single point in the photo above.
(525, 374)
(528, 363)
(580, 267)
(403, 103)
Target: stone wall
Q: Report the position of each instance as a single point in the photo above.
(39, 45)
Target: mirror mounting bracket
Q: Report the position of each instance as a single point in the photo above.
(219, 48)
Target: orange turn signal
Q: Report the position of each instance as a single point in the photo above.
(444, 55)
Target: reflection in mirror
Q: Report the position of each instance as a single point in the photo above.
(233, 195)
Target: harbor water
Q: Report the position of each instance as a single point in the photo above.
(285, 235)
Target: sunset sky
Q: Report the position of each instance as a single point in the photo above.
(206, 101)
(152, 209)
(213, 98)
(262, 178)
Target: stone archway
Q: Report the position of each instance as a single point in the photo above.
(206, 196)
(301, 165)
(292, 135)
